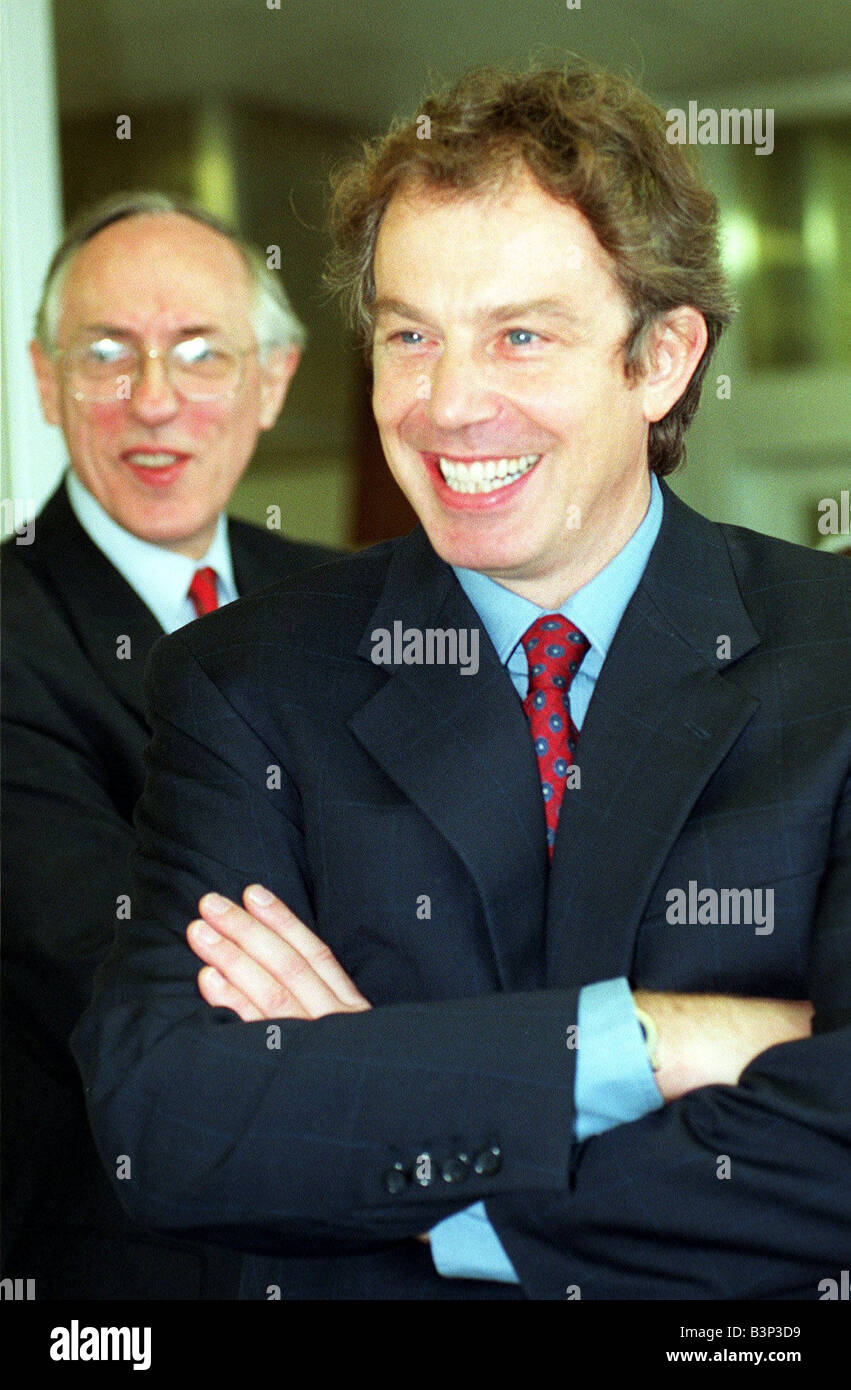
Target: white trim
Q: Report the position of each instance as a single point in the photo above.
(33, 454)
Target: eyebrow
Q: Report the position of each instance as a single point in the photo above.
(550, 308)
(190, 331)
(395, 306)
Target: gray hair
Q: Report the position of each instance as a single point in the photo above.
(275, 322)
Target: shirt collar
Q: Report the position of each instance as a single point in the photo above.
(596, 609)
(160, 577)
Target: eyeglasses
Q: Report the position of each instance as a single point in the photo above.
(200, 368)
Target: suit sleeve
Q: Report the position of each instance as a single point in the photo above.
(614, 1084)
(66, 843)
(65, 862)
(300, 1135)
(730, 1192)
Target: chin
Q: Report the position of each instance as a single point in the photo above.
(472, 556)
(168, 534)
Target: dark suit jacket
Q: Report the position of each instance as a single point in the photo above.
(73, 736)
(403, 784)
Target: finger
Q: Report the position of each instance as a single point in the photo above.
(263, 965)
(260, 986)
(275, 914)
(219, 993)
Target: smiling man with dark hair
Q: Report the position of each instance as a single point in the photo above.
(459, 1045)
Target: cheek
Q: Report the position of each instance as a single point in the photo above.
(394, 392)
(381, 404)
(99, 426)
(200, 419)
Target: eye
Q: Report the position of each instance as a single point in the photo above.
(193, 351)
(105, 351)
(409, 337)
(521, 337)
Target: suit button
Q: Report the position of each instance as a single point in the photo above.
(455, 1169)
(488, 1161)
(395, 1179)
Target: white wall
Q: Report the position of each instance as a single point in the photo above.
(32, 452)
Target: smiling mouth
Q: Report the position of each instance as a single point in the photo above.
(485, 475)
(145, 459)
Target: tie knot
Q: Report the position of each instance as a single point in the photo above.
(554, 650)
(203, 592)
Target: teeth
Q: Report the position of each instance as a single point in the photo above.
(485, 475)
(153, 460)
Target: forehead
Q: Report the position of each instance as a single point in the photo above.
(156, 273)
(508, 243)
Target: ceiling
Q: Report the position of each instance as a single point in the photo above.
(360, 61)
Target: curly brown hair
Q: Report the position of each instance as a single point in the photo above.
(591, 139)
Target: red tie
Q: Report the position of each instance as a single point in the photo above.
(202, 591)
(554, 650)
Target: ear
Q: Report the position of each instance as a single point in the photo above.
(47, 381)
(675, 346)
(276, 373)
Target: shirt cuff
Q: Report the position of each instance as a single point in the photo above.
(614, 1084)
(614, 1079)
(466, 1246)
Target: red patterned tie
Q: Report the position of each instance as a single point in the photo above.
(202, 591)
(554, 650)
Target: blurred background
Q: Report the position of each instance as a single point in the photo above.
(245, 105)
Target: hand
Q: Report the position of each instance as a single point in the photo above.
(709, 1039)
(263, 962)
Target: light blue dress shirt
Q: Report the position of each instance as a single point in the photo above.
(160, 577)
(614, 1082)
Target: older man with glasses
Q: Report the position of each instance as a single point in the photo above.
(163, 347)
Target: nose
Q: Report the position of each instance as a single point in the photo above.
(153, 398)
(459, 392)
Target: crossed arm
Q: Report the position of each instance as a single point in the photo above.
(263, 963)
(290, 1145)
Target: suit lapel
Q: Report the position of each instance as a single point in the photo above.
(100, 605)
(458, 746)
(665, 712)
